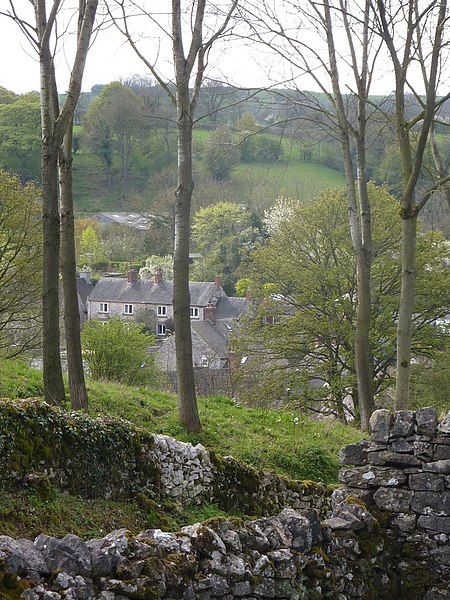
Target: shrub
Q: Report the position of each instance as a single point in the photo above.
(119, 351)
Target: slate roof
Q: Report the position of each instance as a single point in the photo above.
(112, 289)
(215, 336)
(231, 307)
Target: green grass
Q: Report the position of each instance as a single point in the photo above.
(286, 442)
(293, 178)
(266, 438)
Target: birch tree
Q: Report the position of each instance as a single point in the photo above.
(416, 36)
(43, 35)
(191, 40)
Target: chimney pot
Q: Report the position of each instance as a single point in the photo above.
(131, 275)
(157, 277)
(218, 280)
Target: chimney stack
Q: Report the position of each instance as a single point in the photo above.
(218, 280)
(86, 275)
(132, 275)
(157, 277)
(209, 313)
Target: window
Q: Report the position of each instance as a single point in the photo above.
(161, 311)
(128, 309)
(161, 329)
(205, 361)
(104, 307)
(195, 312)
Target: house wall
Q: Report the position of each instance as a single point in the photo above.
(116, 309)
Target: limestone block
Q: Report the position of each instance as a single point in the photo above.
(401, 445)
(372, 476)
(393, 500)
(241, 588)
(430, 482)
(423, 450)
(438, 466)
(434, 523)
(70, 554)
(380, 425)
(404, 424)
(282, 562)
(406, 522)
(395, 459)
(354, 454)
(441, 452)
(444, 425)
(427, 421)
(299, 527)
(432, 503)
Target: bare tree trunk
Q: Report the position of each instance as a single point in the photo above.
(423, 38)
(54, 125)
(189, 70)
(77, 386)
(404, 327)
(358, 204)
(187, 402)
(52, 371)
(187, 405)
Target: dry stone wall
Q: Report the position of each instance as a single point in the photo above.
(104, 457)
(383, 535)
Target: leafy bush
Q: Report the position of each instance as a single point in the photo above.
(119, 351)
(261, 148)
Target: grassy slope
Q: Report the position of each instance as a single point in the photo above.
(288, 177)
(268, 438)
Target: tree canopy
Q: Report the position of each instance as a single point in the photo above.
(20, 135)
(20, 258)
(301, 333)
(223, 233)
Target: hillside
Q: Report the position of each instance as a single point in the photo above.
(256, 184)
(286, 442)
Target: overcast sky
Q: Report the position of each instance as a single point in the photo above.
(111, 58)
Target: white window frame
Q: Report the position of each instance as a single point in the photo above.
(103, 308)
(161, 311)
(128, 309)
(161, 329)
(195, 312)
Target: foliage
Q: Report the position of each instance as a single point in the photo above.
(165, 263)
(221, 153)
(90, 246)
(430, 381)
(20, 136)
(300, 334)
(114, 122)
(260, 148)
(122, 243)
(118, 350)
(20, 273)
(223, 233)
(246, 124)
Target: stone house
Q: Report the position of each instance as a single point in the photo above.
(151, 301)
(210, 337)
